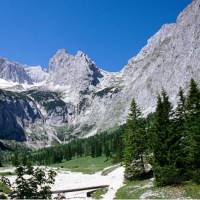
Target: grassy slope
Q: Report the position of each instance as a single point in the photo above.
(135, 189)
(7, 173)
(99, 193)
(4, 188)
(87, 165)
(132, 190)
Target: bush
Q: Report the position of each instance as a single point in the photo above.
(33, 183)
(196, 176)
(167, 175)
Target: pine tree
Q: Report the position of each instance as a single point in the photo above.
(135, 144)
(15, 159)
(107, 150)
(179, 148)
(162, 128)
(118, 142)
(1, 157)
(181, 110)
(164, 144)
(193, 129)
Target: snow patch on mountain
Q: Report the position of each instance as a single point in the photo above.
(37, 73)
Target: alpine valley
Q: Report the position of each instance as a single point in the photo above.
(75, 98)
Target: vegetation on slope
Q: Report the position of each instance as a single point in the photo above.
(132, 190)
(7, 173)
(48, 99)
(108, 144)
(4, 188)
(146, 189)
(99, 193)
(87, 164)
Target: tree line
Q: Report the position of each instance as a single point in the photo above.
(168, 139)
(108, 143)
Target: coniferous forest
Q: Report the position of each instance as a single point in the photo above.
(168, 140)
(108, 143)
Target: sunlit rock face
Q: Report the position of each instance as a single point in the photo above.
(37, 73)
(74, 97)
(169, 60)
(78, 72)
(13, 71)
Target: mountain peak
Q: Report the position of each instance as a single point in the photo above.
(62, 59)
(61, 52)
(80, 53)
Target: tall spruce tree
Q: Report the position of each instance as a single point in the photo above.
(179, 150)
(135, 142)
(193, 129)
(1, 157)
(163, 143)
(162, 128)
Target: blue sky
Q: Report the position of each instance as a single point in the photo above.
(109, 31)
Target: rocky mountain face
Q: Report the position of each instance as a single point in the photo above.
(37, 74)
(13, 71)
(16, 111)
(169, 60)
(31, 116)
(76, 98)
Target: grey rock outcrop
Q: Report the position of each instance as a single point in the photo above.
(77, 70)
(37, 73)
(13, 71)
(17, 111)
(169, 60)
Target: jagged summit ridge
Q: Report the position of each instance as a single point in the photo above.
(62, 59)
(78, 71)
